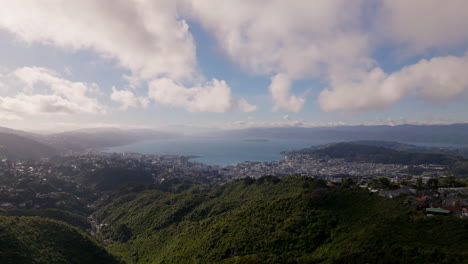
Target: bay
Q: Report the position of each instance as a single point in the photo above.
(219, 151)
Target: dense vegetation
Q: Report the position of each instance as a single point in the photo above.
(358, 152)
(51, 213)
(35, 240)
(272, 220)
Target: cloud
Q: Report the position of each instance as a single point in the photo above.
(213, 96)
(439, 79)
(145, 37)
(272, 124)
(294, 37)
(279, 89)
(243, 106)
(149, 38)
(7, 116)
(43, 91)
(332, 40)
(127, 99)
(289, 39)
(421, 25)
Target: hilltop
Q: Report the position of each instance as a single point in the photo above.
(41, 241)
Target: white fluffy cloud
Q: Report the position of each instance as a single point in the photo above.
(279, 89)
(420, 25)
(296, 38)
(128, 99)
(145, 37)
(214, 96)
(440, 79)
(244, 106)
(42, 91)
(329, 39)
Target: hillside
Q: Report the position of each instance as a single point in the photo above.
(80, 140)
(17, 147)
(34, 240)
(30, 135)
(365, 152)
(451, 151)
(271, 220)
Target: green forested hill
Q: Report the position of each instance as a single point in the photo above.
(35, 240)
(292, 220)
(365, 152)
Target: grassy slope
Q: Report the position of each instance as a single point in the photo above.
(38, 240)
(291, 221)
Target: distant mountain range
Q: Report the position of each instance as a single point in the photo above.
(437, 134)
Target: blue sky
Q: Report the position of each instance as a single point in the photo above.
(231, 64)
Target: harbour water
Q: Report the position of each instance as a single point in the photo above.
(219, 151)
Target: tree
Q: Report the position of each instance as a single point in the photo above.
(348, 182)
(384, 182)
(419, 184)
(432, 184)
(122, 233)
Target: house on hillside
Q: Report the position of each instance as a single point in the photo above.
(424, 201)
(7, 205)
(395, 193)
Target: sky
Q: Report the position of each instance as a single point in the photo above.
(229, 64)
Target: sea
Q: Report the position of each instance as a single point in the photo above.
(219, 151)
(229, 151)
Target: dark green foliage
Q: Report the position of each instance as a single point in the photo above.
(348, 182)
(35, 240)
(290, 220)
(122, 233)
(432, 184)
(56, 214)
(452, 182)
(383, 183)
